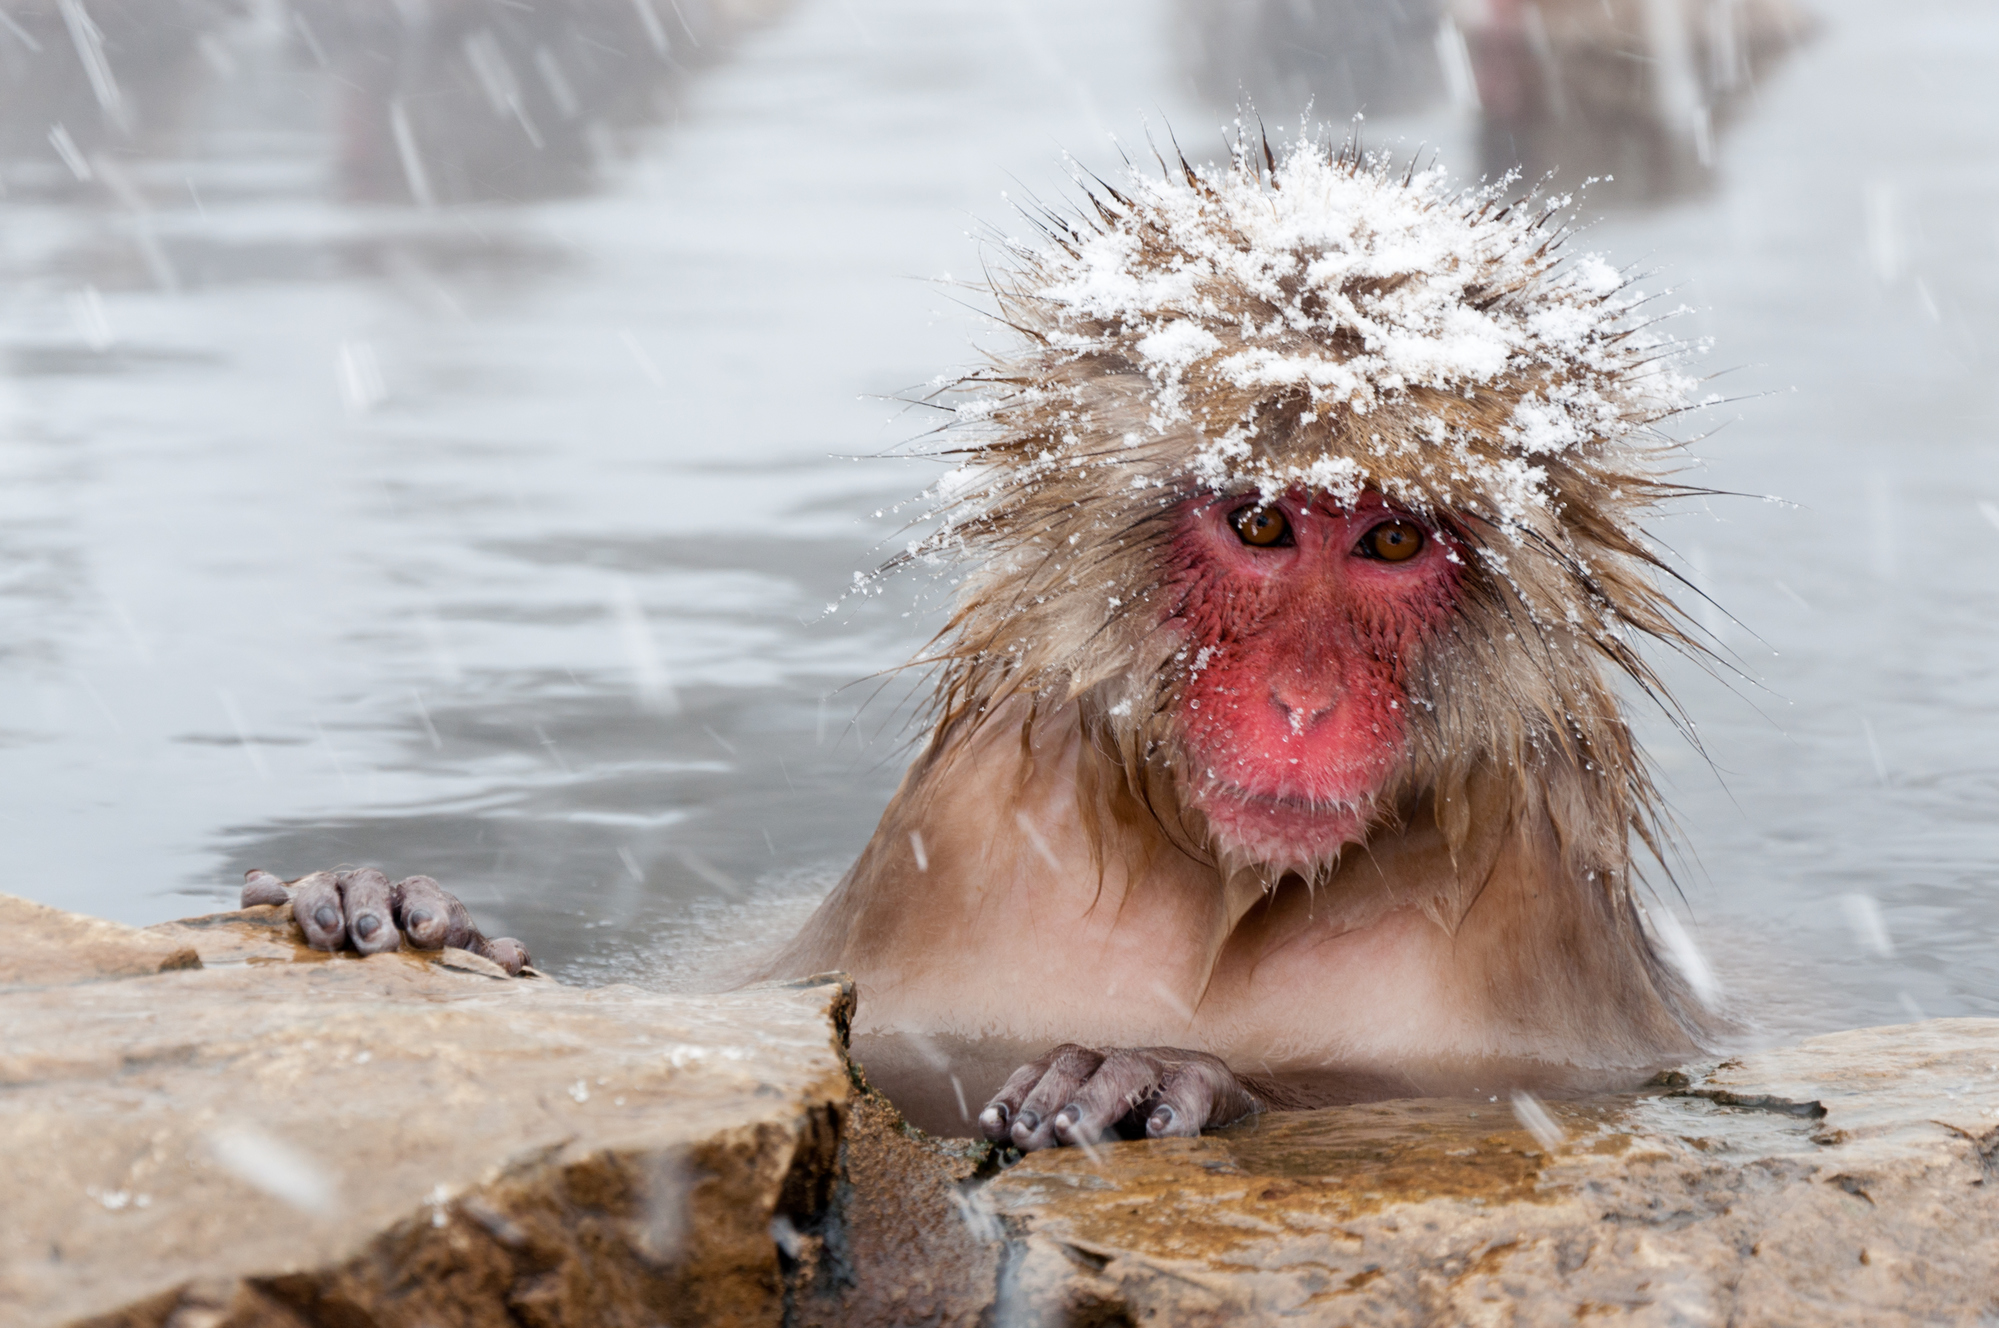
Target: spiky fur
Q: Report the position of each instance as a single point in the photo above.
(1313, 322)
(1086, 448)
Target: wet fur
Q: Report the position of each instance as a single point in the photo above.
(1489, 919)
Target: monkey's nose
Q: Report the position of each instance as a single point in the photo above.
(1303, 705)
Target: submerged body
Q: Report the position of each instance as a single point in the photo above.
(1008, 941)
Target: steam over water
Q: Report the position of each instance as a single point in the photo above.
(429, 432)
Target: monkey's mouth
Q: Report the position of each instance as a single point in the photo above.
(1282, 829)
(1289, 803)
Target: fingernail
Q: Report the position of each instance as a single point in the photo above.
(1027, 1122)
(326, 917)
(994, 1114)
(1067, 1118)
(419, 916)
(1160, 1121)
(367, 925)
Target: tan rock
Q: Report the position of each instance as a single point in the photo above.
(1851, 1179)
(48, 947)
(286, 1138)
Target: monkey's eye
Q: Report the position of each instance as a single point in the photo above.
(1261, 527)
(1391, 541)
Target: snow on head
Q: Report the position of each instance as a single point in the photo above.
(1326, 317)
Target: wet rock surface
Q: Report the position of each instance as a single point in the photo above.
(1851, 1179)
(284, 1137)
(204, 1125)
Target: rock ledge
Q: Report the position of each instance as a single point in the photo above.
(205, 1126)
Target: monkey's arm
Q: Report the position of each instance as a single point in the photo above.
(360, 910)
(1077, 1095)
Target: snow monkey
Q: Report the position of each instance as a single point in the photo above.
(1277, 758)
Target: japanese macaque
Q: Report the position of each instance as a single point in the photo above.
(1277, 756)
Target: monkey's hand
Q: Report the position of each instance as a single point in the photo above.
(360, 910)
(1075, 1095)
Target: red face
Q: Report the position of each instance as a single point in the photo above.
(1298, 619)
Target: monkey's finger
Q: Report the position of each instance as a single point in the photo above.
(996, 1118)
(1120, 1083)
(431, 915)
(371, 924)
(1181, 1108)
(316, 908)
(507, 952)
(1194, 1096)
(1068, 1070)
(260, 887)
